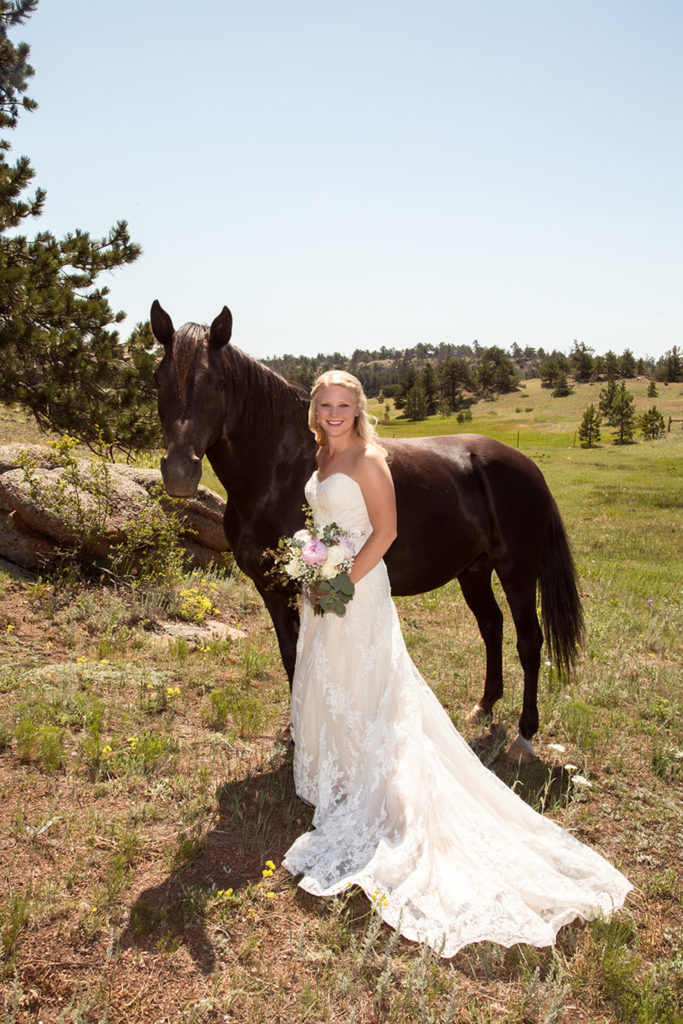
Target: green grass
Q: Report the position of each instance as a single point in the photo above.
(531, 418)
(144, 795)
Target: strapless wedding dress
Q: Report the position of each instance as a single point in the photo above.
(403, 807)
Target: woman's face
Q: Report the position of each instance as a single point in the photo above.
(336, 407)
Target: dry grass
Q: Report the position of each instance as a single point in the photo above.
(145, 796)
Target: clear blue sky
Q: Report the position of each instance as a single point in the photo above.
(357, 174)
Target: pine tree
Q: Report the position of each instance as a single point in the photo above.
(622, 415)
(61, 359)
(652, 389)
(497, 373)
(454, 378)
(562, 387)
(652, 424)
(669, 366)
(607, 397)
(589, 430)
(430, 387)
(416, 403)
(581, 359)
(627, 364)
(406, 384)
(611, 365)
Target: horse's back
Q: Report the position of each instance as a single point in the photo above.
(458, 497)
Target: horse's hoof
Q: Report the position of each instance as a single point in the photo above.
(520, 751)
(284, 737)
(478, 716)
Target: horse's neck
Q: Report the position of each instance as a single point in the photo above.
(266, 440)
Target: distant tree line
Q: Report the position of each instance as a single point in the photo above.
(426, 379)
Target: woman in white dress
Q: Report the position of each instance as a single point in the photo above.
(403, 807)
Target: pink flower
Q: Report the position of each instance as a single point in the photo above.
(348, 546)
(303, 535)
(314, 553)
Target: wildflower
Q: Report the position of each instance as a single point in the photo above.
(267, 872)
(81, 661)
(10, 627)
(581, 780)
(269, 864)
(271, 896)
(104, 661)
(132, 739)
(556, 746)
(571, 767)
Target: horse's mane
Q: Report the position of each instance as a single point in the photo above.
(187, 341)
(277, 398)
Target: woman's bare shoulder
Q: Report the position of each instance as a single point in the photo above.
(371, 464)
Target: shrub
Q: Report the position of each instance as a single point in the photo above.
(652, 424)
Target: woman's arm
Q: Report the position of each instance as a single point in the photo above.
(372, 475)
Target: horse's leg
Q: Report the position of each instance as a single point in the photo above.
(520, 590)
(478, 593)
(286, 622)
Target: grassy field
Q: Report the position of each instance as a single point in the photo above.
(147, 805)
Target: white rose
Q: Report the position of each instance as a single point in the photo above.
(293, 567)
(336, 554)
(327, 571)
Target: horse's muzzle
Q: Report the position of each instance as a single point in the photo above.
(181, 474)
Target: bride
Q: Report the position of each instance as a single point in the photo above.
(403, 807)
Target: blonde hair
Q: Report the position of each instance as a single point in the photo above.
(364, 424)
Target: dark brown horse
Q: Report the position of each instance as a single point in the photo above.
(467, 505)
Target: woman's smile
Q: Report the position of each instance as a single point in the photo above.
(336, 410)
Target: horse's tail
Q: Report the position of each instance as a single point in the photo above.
(561, 610)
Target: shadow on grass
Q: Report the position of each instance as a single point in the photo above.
(258, 819)
(541, 785)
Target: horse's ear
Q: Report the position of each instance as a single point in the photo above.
(221, 329)
(162, 325)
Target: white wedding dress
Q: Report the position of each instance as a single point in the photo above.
(403, 807)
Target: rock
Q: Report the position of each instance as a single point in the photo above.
(32, 529)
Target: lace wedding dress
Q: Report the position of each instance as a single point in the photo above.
(403, 807)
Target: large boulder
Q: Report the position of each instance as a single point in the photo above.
(34, 529)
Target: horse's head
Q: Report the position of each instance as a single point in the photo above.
(191, 395)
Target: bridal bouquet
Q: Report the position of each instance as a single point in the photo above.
(320, 559)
